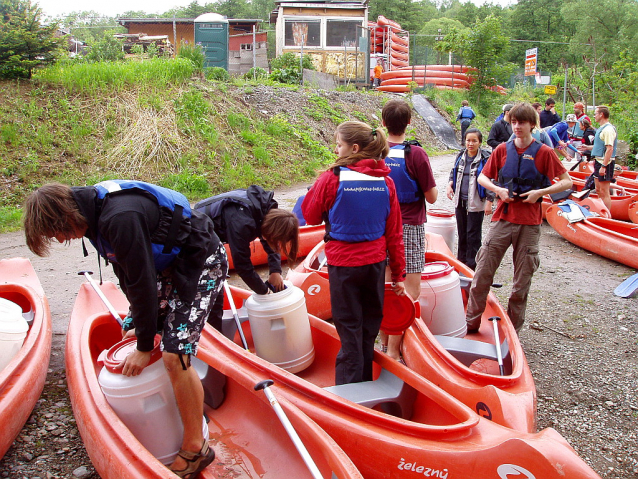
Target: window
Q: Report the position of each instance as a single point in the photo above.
(340, 33)
(296, 30)
(246, 46)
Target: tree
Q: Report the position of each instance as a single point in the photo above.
(483, 46)
(25, 44)
(106, 49)
(540, 20)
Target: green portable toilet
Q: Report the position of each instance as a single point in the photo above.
(211, 32)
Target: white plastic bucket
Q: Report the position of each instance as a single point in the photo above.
(442, 222)
(144, 403)
(441, 300)
(281, 329)
(13, 330)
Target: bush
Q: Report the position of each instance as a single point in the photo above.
(106, 49)
(194, 53)
(285, 68)
(217, 73)
(256, 73)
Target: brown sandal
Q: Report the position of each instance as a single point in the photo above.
(196, 462)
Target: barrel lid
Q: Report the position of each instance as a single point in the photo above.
(441, 213)
(398, 312)
(12, 322)
(436, 269)
(6, 305)
(121, 350)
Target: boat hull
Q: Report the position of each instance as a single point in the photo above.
(442, 437)
(22, 380)
(309, 236)
(613, 239)
(508, 400)
(248, 438)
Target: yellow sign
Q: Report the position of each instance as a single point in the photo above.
(550, 90)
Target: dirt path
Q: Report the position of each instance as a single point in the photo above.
(584, 357)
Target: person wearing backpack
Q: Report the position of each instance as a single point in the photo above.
(465, 116)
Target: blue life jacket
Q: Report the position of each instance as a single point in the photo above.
(408, 190)
(599, 144)
(577, 131)
(519, 174)
(361, 207)
(466, 113)
(480, 189)
(173, 206)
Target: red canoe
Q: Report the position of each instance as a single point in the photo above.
(445, 81)
(633, 212)
(309, 236)
(22, 380)
(625, 182)
(248, 438)
(509, 400)
(431, 433)
(613, 239)
(592, 203)
(619, 204)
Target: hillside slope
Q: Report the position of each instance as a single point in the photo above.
(201, 138)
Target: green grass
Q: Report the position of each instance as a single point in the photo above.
(86, 77)
(10, 218)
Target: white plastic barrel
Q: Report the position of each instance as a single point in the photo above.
(442, 222)
(13, 330)
(281, 329)
(144, 403)
(441, 300)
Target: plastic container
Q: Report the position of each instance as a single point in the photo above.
(441, 300)
(13, 330)
(6, 305)
(281, 329)
(442, 222)
(145, 403)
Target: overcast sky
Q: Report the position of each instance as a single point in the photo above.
(112, 8)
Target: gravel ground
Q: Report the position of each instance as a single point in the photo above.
(580, 340)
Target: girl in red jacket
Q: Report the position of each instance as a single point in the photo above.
(357, 200)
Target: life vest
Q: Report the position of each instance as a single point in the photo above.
(519, 174)
(599, 144)
(408, 190)
(361, 207)
(480, 189)
(577, 132)
(174, 210)
(466, 113)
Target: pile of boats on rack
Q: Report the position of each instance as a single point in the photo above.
(463, 405)
(586, 222)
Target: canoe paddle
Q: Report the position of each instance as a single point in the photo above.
(109, 306)
(628, 287)
(312, 467)
(497, 340)
(235, 315)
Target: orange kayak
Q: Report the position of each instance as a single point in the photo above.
(311, 275)
(624, 181)
(613, 239)
(248, 439)
(408, 426)
(445, 81)
(633, 212)
(22, 379)
(592, 203)
(408, 73)
(309, 236)
(509, 400)
(619, 204)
